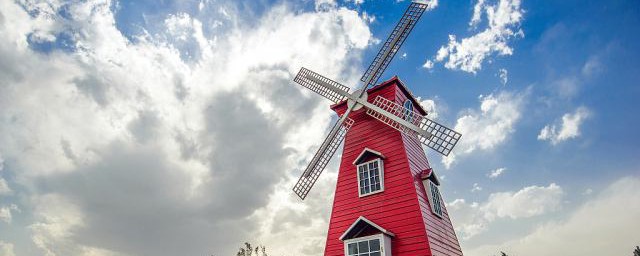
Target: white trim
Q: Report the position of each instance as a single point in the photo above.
(385, 243)
(381, 173)
(364, 151)
(427, 187)
(362, 218)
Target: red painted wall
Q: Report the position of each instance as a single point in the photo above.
(403, 207)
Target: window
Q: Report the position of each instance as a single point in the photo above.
(407, 111)
(365, 246)
(370, 177)
(434, 198)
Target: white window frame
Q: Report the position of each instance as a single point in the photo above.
(385, 243)
(429, 186)
(380, 169)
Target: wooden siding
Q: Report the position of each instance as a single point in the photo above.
(402, 208)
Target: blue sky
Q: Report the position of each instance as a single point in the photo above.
(174, 127)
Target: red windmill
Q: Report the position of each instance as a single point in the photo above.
(387, 200)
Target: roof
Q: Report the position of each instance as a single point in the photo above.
(403, 88)
(431, 175)
(360, 225)
(366, 152)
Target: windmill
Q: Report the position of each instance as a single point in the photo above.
(432, 134)
(387, 201)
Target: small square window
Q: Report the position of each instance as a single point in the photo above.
(370, 177)
(364, 246)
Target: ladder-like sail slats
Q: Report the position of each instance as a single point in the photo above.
(321, 159)
(393, 43)
(308, 79)
(442, 139)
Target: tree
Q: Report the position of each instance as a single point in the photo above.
(248, 250)
(636, 252)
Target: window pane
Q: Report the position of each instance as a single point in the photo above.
(375, 254)
(378, 186)
(353, 249)
(371, 165)
(374, 245)
(363, 246)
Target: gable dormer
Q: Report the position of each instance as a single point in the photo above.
(370, 171)
(364, 237)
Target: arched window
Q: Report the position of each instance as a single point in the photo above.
(408, 109)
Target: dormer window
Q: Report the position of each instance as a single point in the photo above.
(370, 172)
(431, 183)
(370, 177)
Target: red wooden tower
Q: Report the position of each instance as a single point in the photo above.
(387, 200)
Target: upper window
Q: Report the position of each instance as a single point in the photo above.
(370, 177)
(363, 247)
(434, 198)
(408, 105)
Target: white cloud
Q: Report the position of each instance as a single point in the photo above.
(468, 54)
(5, 213)
(4, 187)
(429, 105)
(476, 188)
(489, 126)
(569, 128)
(606, 224)
(503, 74)
(497, 172)
(428, 64)
(475, 218)
(6, 249)
(148, 136)
(527, 202)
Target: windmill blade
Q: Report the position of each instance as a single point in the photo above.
(319, 84)
(440, 139)
(393, 43)
(322, 157)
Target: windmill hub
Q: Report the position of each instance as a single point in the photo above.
(354, 95)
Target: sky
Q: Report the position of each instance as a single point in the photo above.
(175, 127)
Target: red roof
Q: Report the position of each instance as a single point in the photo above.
(394, 80)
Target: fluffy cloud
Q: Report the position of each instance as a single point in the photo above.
(5, 213)
(569, 127)
(430, 106)
(504, 77)
(503, 20)
(489, 126)
(474, 218)
(606, 217)
(6, 249)
(497, 172)
(142, 139)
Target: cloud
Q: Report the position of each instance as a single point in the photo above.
(429, 105)
(497, 172)
(428, 64)
(142, 140)
(619, 226)
(488, 127)
(6, 249)
(475, 218)
(5, 213)
(4, 187)
(476, 188)
(468, 54)
(569, 128)
(503, 74)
